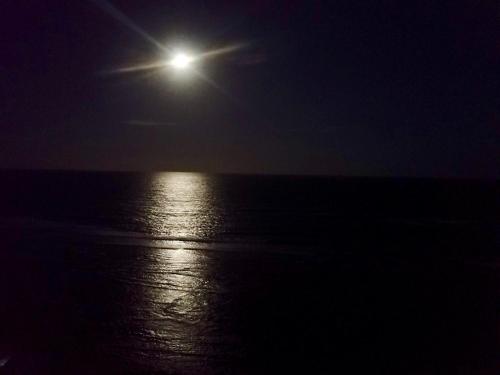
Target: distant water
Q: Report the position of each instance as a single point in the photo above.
(183, 273)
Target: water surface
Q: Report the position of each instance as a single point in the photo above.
(192, 273)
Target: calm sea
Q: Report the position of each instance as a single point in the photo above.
(185, 273)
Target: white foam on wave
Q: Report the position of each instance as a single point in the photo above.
(3, 361)
(116, 237)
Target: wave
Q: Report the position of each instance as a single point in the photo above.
(112, 236)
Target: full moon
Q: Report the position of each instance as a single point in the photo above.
(181, 61)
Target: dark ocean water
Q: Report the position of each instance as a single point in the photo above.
(179, 273)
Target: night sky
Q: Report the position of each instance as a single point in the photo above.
(378, 88)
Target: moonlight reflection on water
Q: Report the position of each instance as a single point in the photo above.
(177, 286)
(182, 206)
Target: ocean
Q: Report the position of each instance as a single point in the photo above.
(188, 273)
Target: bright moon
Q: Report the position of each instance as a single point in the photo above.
(181, 61)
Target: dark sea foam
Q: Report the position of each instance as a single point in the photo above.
(184, 273)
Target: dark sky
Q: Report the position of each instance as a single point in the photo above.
(392, 87)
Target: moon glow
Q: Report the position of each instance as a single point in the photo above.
(181, 61)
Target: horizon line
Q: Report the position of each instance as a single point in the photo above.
(277, 174)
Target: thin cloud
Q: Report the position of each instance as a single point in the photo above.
(148, 123)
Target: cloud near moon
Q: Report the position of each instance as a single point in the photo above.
(148, 123)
